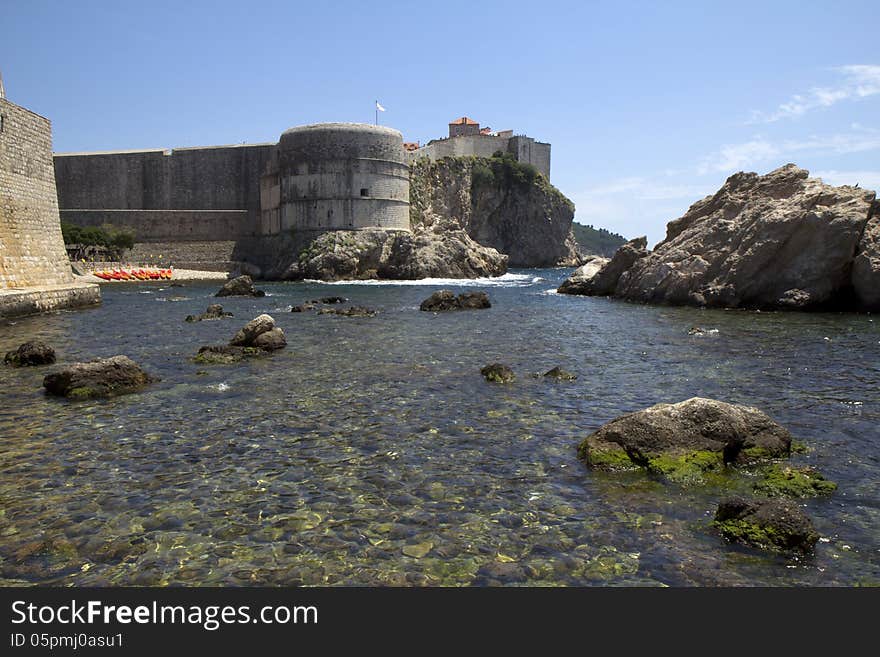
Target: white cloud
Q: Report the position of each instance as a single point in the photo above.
(858, 81)
(637, 205)
(643, 188)
(865, 179)
(733, 157)
(758, 151)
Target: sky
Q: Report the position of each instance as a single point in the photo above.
(649, 106)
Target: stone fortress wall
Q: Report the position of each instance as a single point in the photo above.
(219, 207)
(185, 194)
(337, 176)
(35, 274)
(193, 205)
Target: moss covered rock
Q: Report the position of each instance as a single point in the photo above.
(104, 377)
(776, 525)
(683, 441)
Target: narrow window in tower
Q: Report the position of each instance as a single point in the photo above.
(2, 119)
(365, 191)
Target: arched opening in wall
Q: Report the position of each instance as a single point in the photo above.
(365, 191)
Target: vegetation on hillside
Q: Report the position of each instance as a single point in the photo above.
(598, 241)
(503, 168)
(113, 240)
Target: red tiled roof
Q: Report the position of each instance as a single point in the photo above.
(463, 121)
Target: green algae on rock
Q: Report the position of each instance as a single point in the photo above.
(104, 377)
(786, 481)
(683, 441)
(775, 525)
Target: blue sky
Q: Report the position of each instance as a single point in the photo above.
(649, 106)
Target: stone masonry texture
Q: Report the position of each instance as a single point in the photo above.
(35, 274)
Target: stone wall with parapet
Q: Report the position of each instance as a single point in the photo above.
(31, 247)
(208, 178)
(526, 149)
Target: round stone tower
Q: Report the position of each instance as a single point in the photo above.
(343, 176)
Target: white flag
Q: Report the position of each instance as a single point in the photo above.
(379, 107)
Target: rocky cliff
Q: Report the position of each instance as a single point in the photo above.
(782, 240)
(500, 203)
(470, 217)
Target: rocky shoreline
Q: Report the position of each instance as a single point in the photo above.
(780, 241)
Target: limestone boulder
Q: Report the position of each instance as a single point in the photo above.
(683, 441)
(866, 266)
(776, 525)
(249, 332)
(782, 240)
(270, 340)
(240, 286)
(30, 353)
(580, 280)
(445, 254)
(104, 377)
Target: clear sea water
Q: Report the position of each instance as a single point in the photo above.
(371, 451)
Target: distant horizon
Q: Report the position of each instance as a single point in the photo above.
(647, 108)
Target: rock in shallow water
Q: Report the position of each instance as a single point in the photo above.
(498, 373)
(354, 311)
(775, 525)
(258, 336)
(249, 332)
(560, 374)
(681, 441)
(445, 300)
(31, 353)
(242, 286)
(270, 340)
(214, 311)
(104, 377)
